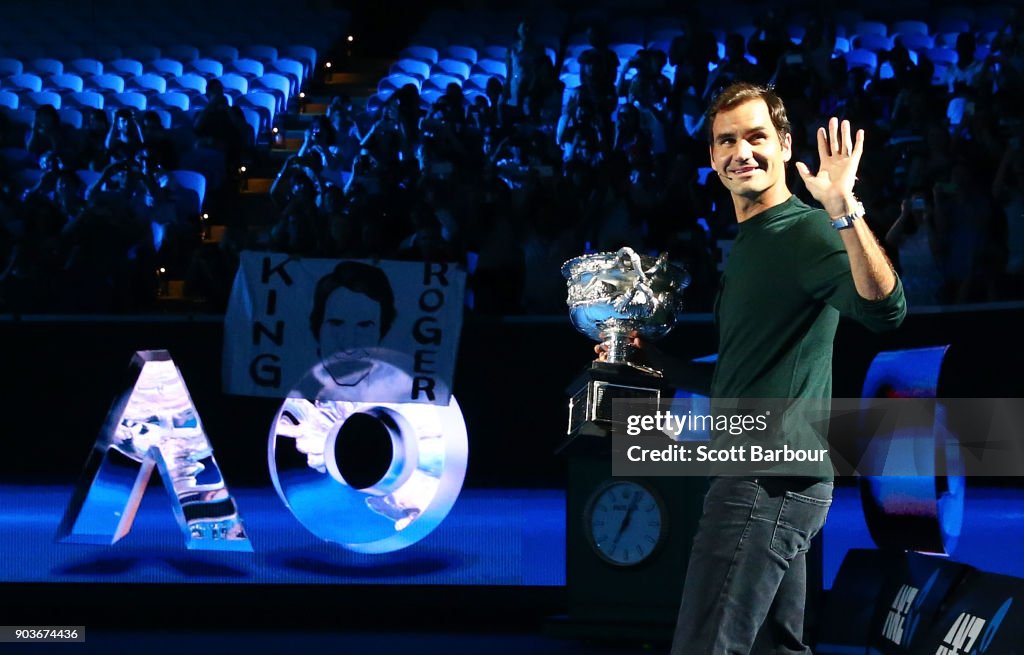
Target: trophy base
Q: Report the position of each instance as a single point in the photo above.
(592, 393)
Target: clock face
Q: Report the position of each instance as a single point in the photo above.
(625, 522)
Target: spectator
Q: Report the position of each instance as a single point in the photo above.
(529, 73)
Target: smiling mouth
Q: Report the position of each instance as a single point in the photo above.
(745, 170)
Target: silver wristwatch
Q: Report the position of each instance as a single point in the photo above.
(846, 222)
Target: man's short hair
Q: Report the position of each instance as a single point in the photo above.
(358, 277)
(738, 93)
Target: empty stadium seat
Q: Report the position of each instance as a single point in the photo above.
(124, 66)
(191, 81)
(44, 67)
(132, 99)
(166, 67)
(40, 98)
(9, 99)
(71, 116)
(85, 66)
(26, 81)
(303, 53)
(107, 81)
(461, 53)
(62, 83)
(909, 27)
(175, 99)
(866, 27)
(872, 42)
(194, 182)
(208, 68)
(233, 82)
(291, 68)
(11, 66)
(86, 99)
(147, 82)
(421, 52)
(861, 59)
(247, 67)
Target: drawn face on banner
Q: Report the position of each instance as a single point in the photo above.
(351, 324)
(353, 309)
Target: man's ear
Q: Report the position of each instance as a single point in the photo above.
(787, 147)
(711, 156)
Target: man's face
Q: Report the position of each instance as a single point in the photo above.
(351, 323)
(746, 151)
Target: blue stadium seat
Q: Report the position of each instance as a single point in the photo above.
(291, 68)
(250, 68)
(86, 99)
(861, 59)
(191, 81)
(872, 42)
(304, 53)
(909, 27)
(461, 53)
(866, 27)
(252, 118)
(441, 81)
(132, 99)
(459, 69)
(124, 66)
(277, 84)
(71, 116)
(40, 98)
(414, 67)
(85, 66)
(146, 83)
(421, 52)
(194, 182)
(208, 68)
(175, 99)
(64, 82)
(166, 67)
(915, 42)
(44, 67)
(9, 99)
(394, 82)
(26, 81)
(265, 103)
(11, 66)
(498, 52)
(490, 67)
(234, 82)
(108, 81)
(164, 113)
(626, 50)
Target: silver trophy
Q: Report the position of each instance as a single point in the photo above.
(613, 295)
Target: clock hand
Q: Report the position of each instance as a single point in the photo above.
(625, 521)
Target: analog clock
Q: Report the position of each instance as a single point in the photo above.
(625, 522)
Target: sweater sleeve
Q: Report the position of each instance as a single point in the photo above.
(826, 276)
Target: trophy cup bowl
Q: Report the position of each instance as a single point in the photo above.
(611, 296)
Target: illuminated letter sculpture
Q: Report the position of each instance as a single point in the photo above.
(153, 422)
(359, 467)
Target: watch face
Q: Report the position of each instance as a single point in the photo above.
(625, 522)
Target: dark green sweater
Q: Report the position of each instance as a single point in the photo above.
(784, 288)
